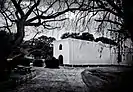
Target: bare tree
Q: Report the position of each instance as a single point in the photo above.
(15, 15)
(22, 13)
(111, 15)
(116, 15)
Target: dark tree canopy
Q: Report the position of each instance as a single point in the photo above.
(106, 40)
(65, 35)
(41, 47)
(84, 36)
(87, 36)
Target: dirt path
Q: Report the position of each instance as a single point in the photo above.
(55, 80)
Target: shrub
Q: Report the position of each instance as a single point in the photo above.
(19, 61)
(52, 62)
(38, 63)
(25, 61)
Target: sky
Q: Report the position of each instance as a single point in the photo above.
(68, 26)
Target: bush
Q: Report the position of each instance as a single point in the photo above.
(38, 63)
(52, 62)
(19, 61)
(25, 61)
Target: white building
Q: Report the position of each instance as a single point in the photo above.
(79, 52)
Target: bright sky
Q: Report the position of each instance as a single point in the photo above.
(31, 31)
(69, 26)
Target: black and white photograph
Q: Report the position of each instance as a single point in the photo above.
(66, 46)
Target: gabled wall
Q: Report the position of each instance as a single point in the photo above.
(64, 52)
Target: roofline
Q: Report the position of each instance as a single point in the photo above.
(66, 39)
(74, 39)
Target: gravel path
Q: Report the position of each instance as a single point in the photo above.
(54, 80)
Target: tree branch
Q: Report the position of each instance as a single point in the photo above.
(102, 6)
(110, 2)
(18, 8)
(55, 14)
(49, 7)
(32, 8)
(55, 20)
(114, 22)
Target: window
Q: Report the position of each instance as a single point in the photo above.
(60, 47)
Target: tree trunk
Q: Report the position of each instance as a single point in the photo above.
(6, 49)
(18, 40)
(20, 33)
(3, 69)
(128, 16)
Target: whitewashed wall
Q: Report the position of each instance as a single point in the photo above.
(80, 52)
(64, 52)
(87, 52)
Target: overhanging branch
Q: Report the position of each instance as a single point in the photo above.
(18, 8)
(32, 8)
(114, 22)
(55, 14)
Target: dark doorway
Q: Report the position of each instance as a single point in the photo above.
(60, 60)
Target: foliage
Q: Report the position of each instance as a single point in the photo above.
(74, 35)
(16, 15)
(65, 35)
(25, 61)
(106, 40)
(112, 15)
(38, 63)
(15, 61)
(87, 36)
(21, 60)
(37, 53)
(37, 13)
(52, 62)
(40, 47)
(84, 36)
